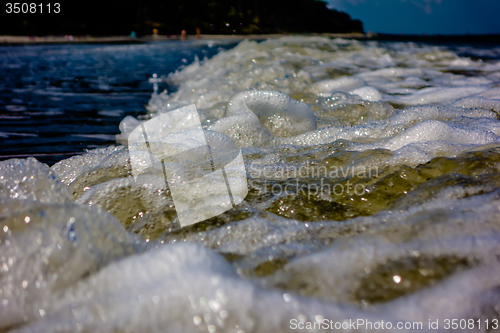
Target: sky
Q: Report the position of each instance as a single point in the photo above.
(424, 16)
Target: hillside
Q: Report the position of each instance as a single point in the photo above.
(211, 17)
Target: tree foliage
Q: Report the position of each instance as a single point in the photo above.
(210, 16)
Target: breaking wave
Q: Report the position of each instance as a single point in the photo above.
(374, 193)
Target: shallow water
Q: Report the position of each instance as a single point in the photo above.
(58, 100)
(374, 194)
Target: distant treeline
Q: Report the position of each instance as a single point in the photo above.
(171, 17)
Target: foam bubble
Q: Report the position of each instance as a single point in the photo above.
(31, 180)
(343, 84)
(258, 117)
(367, 93)
(438, 95)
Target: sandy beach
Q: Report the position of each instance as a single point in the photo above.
(69, 39)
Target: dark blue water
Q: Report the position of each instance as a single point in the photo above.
(58, 100)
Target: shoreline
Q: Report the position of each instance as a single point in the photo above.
(7, 40)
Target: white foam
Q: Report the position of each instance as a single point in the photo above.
(298, 102)
(343, 84)
(259, 117)
(437, 95)
(49, 243)
(176, 288)
(478, 102)
(31, 180)
(367, 93)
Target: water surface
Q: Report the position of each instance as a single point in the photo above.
(58, 100)
(373, 172)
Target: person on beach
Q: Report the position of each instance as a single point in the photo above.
(183, 34)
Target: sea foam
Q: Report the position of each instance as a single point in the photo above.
(373, 172)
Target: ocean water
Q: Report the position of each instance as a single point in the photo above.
(58, 100)
(373, 172)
